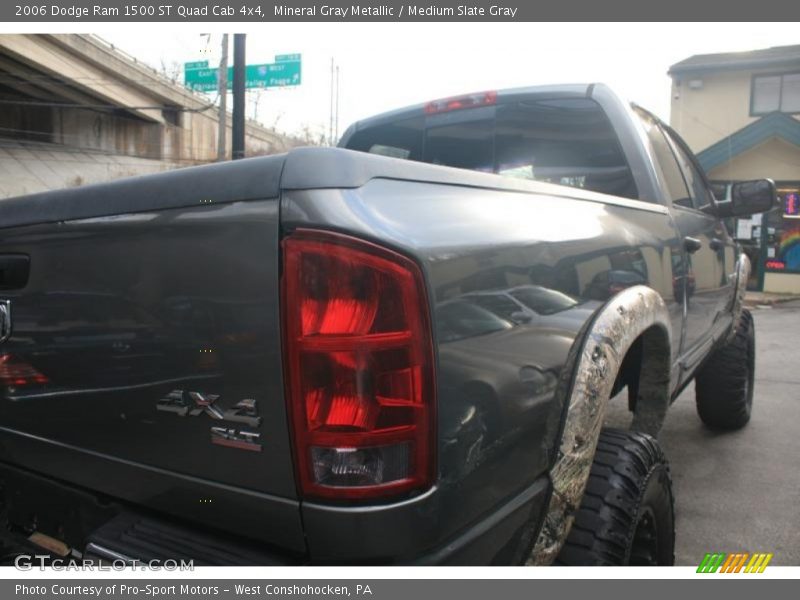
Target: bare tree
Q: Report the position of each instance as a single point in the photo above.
(311, 135)
(173, 70)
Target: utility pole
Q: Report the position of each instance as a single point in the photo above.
(222, 150)
(330, 124)
(336, 111)
(239, 61)
(256, 101)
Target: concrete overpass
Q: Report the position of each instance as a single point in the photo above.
(77, 96)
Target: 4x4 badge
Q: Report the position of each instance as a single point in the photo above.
(185, 403)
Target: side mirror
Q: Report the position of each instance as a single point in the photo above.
(748, 198)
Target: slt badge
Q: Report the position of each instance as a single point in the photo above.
(184, 403)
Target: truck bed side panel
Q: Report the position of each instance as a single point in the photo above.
(512, 279)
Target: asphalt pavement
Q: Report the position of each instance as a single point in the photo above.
(740, 491)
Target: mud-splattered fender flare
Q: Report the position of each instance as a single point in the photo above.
(742, 275)
(608, 337)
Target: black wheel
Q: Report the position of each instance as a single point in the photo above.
(724, 385)
(626, 515)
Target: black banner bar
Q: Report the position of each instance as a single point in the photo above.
(264, 11)
(730, 588)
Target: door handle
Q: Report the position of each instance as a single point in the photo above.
(692, 245)
(716, 244)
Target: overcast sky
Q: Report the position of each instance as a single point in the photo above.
(390, 65)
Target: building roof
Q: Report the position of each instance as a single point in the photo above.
(778, 56)
(773, 125)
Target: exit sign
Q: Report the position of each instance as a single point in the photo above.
(285, 71)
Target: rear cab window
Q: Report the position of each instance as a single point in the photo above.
(566, 141)
(399, 139)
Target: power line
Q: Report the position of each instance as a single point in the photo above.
(39, 78)
(55, 147)
(156, 78)
(89, 151)
(726, 135)
(146, 144)
(11, 79)
(106, 106)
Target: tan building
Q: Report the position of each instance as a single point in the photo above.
(740, 112)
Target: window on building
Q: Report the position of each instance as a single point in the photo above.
(783, 231)
(775, 93)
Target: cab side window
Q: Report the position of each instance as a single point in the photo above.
(674, 181)
(701, 196)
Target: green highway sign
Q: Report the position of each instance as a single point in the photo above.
(285, 71)
(200, 78)
(273, 75)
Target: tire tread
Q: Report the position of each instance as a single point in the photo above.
(722, 402)
(603, 527)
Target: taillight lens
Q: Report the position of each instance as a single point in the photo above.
(15, 373)
(359, 366)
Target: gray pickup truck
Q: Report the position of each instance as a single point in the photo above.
(398, 351)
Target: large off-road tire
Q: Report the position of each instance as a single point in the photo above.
(724, 385)
(626, 515)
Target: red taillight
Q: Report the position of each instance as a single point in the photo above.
(17, 373)
(359, 365)
(468, 101)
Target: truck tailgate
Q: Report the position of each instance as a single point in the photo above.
(144, 358)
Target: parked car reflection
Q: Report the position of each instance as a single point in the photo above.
(606, 284)
(528, 304)
(68, 341)
(499, 365)
(464, 318)
(682, 275)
